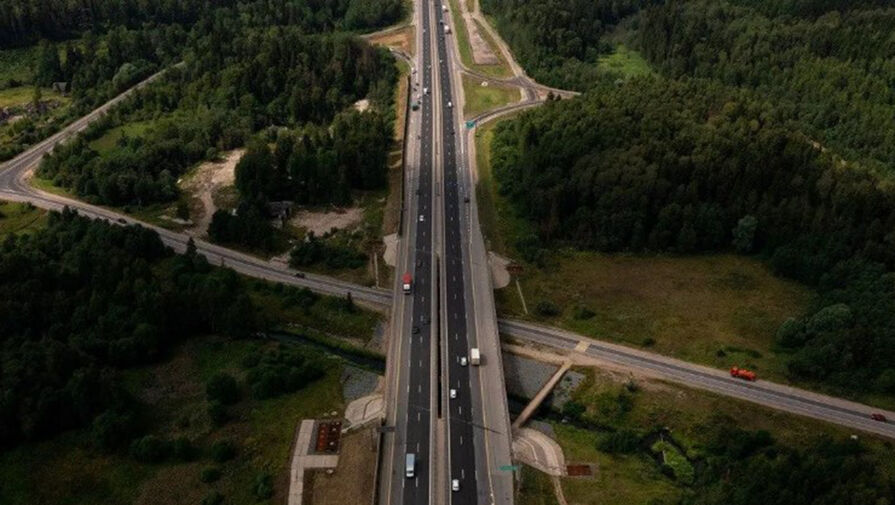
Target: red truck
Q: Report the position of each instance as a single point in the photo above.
(878, 417)
(742, 373)
(407, 283)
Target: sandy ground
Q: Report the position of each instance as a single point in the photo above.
(481, 51)
(352, 480)
(209, 178)
(499, 275)
(401, 39)
(391, 249)
(322, 222)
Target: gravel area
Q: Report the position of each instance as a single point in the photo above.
(357, 383)
(524, 376)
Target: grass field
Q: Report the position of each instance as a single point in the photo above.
(67, 471)
(535, 488)
(110, 139)
(625, 62)
(690, 415)
(20, 218)
(719, 310)
(481, 99)
(22, 95)
(500, 70)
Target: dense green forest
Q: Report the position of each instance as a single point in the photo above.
(24, 22)
(660, 165)
(82, 299)
(235, 82)
(558, 42)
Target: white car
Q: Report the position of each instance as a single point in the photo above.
(450, 104)
(453, 393)
(422, 218)
(455, 484)
(462, 360)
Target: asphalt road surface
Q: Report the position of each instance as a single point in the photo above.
(796, 401)
(460, 417)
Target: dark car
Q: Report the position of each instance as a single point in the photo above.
(878, 417)
(300, 275)
(122, 220)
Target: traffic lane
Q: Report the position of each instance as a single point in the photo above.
(760, 392)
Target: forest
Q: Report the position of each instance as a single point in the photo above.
(81, 300)
(216, 102)
(24, 22)
(695, 166)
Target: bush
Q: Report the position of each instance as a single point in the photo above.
(210, 474)
(547, 308)
(223, 450)
(182, 449)
(620, 442)
(582, 312)
(648, 342)
(217, 412)
(222, 388)
(113, 429)
(213, 498)
(262, 488)
(150, 449)
(573, 410)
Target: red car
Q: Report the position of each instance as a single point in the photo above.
(878, 417)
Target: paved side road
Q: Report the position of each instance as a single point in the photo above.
(797, 401)
(14, 186)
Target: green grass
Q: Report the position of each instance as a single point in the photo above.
(66, 471)
(718, 310)
(625, 62)
(480, 99)
(109, 140)
(535, 488)
(500, 70)
(683, 470)
(22, 95)
(20, 218)
(618, 479)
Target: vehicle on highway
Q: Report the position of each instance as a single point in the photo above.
(425, 91)
(122, 220)
(462, 360)
(407, 283)
(409, 465)
(450, 104)
(455, 484)
(466, 198)
(422, 218)
(876, 416)
(300, 275)
(453, 393)
(475, 358)
(742, 373)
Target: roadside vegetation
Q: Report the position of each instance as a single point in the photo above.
(499, 70)
(480, 99)
(16, 218)
(653, 442)
(126, 388)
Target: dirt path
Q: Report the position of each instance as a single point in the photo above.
(202, 185)
(322, 222)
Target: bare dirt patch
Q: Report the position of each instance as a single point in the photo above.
(322, 222)
(205, 185)
(362, 105)
(400, 39)
(352, 480)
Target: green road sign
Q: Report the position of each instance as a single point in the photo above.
(509, 468)
(470, 124)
